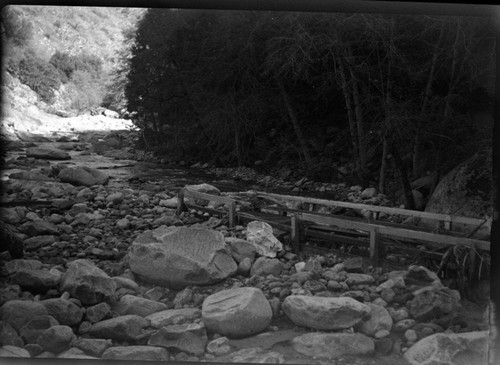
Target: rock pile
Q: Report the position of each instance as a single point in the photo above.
(113, 273)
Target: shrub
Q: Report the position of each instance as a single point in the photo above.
(68, 64)
(17, 28)
(85, 91)
(39, 75)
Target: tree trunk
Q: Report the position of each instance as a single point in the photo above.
(358, 112)
(295, 123)
(352, 122)
(383, 168)
(403, 175)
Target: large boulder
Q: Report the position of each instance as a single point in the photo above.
(324, 313)
(237, 313)
(47, 153)
(19, 312)
(86, 282)
(464, 191)
(333, 345)
(176, 257)
(83, 176)
(260, 234)
(450, 349)
(431, 302)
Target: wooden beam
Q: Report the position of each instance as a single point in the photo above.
(214, 198)
(403, 233)
(377, 208)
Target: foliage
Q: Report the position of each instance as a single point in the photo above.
(234, 87)
(17, 28)
(39, 75)
(67, 64)
(85, 91)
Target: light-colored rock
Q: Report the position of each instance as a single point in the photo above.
(144, 353)
(169, 316)
(380, 319)
(333, 345)
(260, 234)
(131, 304)
(19, 312)
(450, 349)
(176, 257)
(237, 312)
(86, 282)
(124, 328)
(324, 313)
(83, 176)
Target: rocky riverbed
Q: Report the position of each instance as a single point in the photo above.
(110, 271)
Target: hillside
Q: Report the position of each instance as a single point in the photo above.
(94, 30)
(95, 33)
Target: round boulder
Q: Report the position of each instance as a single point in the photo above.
(176, 257)
(237, 313)
(324, 313)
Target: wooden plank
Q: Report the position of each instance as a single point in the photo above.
(377, 208)
(213, 198)
(397, 232)
(205, 209)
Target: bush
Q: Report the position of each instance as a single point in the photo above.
(85, 91)
(17, 28)
(67, 64)
(39, 75)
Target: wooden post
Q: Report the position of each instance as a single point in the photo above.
(180, 202)
(295, 233)
(232, 214)
(374, 247)
(473, 255)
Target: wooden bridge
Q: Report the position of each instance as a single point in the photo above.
(369, 231)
